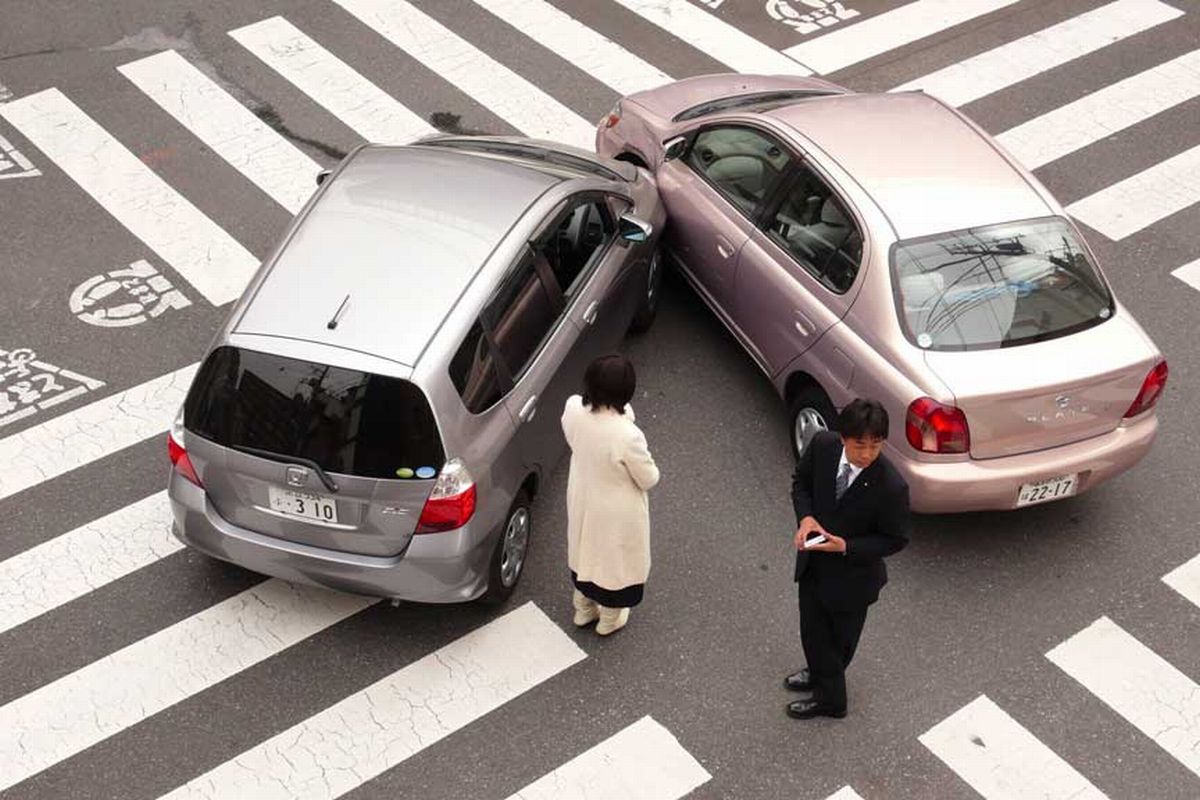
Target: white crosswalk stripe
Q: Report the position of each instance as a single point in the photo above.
(252, 147)
(195, 247)
(873, 36)
(485, 80)
(1189, 274)
(643, 760)
(81, 561)
(1141, 200)
(1002, 760)
(1138, 684)
(89, 433)
(597, 55)
(89, 705)
(711, 35)
(334, 85)
(375, 729)
(845, 793)
(1105, 112)
(1016, 61)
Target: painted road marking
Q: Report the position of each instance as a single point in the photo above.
(58, 720)
(1190, 274)
(1019, 60)
(358, 738)
(1114, 108)
(813, 18)
(70, 566)
(884, 32)
(593, 53)
(333, 84)
(28, 385)
(845, 793)
(125, 297)
(488, 82)
(191, 243)
(252, 147)
(1139, 201)
(12, 163)
(1002, 760)
(1138, 684)
(1185, 579)
(89, 433)
(714, 37)
(641, 761)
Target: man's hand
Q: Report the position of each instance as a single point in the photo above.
(833, 544)
(808, 526)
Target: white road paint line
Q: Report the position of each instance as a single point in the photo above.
(1141, 200)
(333, 84)
(884, 32)
(356, 739)
(80, 561)
(845, 793)
(1002, 760)
(207, 257)
(12, 163)
(641, 761)
(5, 94)
(251, 146)
(1138, 684)
(1190, 274)
(58, 720)
(491, 84)
(593, 53)
(716, 38)
(1019, 60)
(89, 433)
(1185, 578)
(1114, 108)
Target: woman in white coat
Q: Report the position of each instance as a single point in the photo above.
(608, 513)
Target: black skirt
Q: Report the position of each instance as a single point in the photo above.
(627, 597)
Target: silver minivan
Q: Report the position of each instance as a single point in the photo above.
(382, 404)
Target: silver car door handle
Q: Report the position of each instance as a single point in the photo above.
(529, 409)
(589, 316)
(725, 253)
(801, 329)
(803, 325)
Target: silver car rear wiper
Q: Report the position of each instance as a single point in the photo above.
(304, 462)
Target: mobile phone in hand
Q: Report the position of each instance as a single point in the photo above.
(818, 539)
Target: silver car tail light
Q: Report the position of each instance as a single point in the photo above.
(451, 504)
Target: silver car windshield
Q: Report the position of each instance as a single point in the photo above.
(999, 286)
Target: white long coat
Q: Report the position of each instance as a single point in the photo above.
(608, 513)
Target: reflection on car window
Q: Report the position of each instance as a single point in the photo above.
(521, 315)
(473, 372)
(999, 286)
(571, 244)
(813, 224)
(741, 163)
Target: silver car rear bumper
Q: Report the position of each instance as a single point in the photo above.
(448, 567)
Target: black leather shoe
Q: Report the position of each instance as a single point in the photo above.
(799, 681)
(808, 709)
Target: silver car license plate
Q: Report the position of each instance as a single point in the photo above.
(302, 504)
(1049, 489)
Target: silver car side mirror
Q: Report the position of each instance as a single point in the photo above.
(321, 176)
(633, 229)
(674, 148)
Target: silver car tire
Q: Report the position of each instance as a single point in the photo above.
(810, 412)
(511, 551)
(648, 305)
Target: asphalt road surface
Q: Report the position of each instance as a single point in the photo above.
(1037, 653)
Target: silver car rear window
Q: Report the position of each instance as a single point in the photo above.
(998, 286)
(347, 421)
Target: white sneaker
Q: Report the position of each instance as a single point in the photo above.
(586, 611)
(611, 620)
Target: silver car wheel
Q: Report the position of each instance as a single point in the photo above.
(516, 541)
(653, 279)
(809, 423)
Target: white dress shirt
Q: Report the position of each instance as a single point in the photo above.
(854, 471)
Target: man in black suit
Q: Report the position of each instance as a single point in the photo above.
(845, 490)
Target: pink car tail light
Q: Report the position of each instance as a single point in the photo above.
(1152, 389)
(452, 502)
(932, 427)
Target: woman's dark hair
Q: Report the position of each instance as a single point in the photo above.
(609, 382)
(863, 419)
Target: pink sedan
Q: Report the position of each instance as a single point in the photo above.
(884, 246)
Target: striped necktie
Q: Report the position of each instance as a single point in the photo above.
(843, 481)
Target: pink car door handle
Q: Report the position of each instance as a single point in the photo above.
(803, 326)
(724, 247)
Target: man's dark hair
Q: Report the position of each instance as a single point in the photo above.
(863, 419)
(609, 382)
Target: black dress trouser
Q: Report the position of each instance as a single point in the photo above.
(829, 639)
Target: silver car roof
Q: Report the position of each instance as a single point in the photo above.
(397, 235)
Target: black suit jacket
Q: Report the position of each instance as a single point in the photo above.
(872, 517)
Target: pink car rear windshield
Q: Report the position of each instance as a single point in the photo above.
(999, 286)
